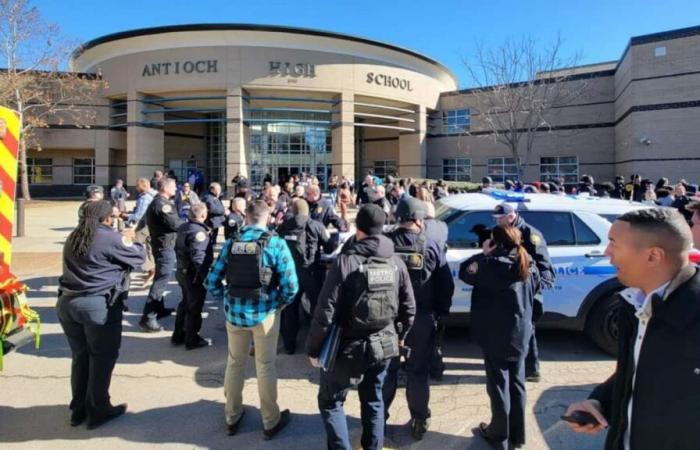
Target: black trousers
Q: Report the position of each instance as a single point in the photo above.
(421, 341)
(505, 384)
(165, 264)
(94, 333)
(532, 361)
(188, 321)
(310, 284)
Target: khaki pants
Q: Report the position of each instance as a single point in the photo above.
(264, 335)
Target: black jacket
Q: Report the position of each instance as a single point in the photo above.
(434, 295)
(108, 260)
(323, 212)
(234, 223)
(216, 213)
(191, 249)
(331, 297)
(501, 303)
(537, 248)
(317, 240)
(666, 406)
(163, 221)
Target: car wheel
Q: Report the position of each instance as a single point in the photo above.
(602, 323)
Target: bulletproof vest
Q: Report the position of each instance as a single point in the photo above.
(246, 277)
(296, 241)
(414, 258)
(374, 306)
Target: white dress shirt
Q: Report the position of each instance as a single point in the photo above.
(642, 304)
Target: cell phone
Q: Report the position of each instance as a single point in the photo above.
(581, 418)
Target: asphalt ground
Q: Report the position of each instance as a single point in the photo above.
(176, 397)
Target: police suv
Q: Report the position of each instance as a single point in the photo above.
(576, 231)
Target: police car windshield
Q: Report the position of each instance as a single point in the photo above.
(445, 213)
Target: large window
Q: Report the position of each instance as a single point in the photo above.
(456, 121)
(469, 230)
(40, 170)
(457, 169)
(180, 168)
(83, 170)
(502, 169)
(384, 168)
(554, 167)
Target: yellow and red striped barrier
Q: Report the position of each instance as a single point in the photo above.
(10, 127)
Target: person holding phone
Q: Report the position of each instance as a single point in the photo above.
(505, 281)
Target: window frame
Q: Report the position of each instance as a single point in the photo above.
(454, 174)
(31, 164)
(557, 173)
(383, 165)
(503, 176)
(460, 118)
(92, 170)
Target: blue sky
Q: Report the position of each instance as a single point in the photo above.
(448, 31)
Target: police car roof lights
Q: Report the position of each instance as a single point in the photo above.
(507, 196)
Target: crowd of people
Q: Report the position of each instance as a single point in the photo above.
(377, 307)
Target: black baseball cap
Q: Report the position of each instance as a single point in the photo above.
(93, 189)
(410, 209)
(371, 219)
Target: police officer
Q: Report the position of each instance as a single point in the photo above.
(366, 272)
(505, 281)
(93, 193)
(433, 288)
(216, 214)
(193, 262)
(321, 209)
(505, 214)
(235, 218)
(163, 222)
(96, 264)
(306, 239)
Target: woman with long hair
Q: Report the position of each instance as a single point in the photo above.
(505, 281)
(96, 264)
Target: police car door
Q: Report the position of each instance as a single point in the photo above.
(576, 242)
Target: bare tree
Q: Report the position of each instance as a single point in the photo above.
(519, 85)
(32, 82)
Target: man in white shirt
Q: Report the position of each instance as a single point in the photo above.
(650, 402)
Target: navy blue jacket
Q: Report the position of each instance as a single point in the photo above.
(436, 230)
(107, 262)
(323, 212)
(191, 249)
(163, 221)
(501, 303)
(216, 213)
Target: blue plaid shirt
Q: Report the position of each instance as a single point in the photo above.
(247, 312)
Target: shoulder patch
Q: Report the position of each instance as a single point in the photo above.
(201, 236)
(319, 210)
(231, 222)
(127, 242)
(535, 239)
(473, 268)
(167, 209)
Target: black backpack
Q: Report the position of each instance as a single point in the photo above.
(296, 242)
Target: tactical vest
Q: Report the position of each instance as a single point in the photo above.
(246, 277)
(374, 306)
(414, 258)
(296, 241)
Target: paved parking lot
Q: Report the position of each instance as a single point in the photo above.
(175, 397)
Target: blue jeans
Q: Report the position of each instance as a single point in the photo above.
(331, 396)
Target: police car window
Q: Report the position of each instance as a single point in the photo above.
(610, 217)
(556, 227)
(584, 235)
(464, 230)
(445, 213)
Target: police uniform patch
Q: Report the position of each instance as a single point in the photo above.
(319, 210)
(535, 239)
(167, 209)
(231, 223)
(201, 236)
(473, 268)
(127, 242)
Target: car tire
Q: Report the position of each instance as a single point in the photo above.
(601, 324)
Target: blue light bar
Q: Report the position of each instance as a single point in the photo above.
(507, 196)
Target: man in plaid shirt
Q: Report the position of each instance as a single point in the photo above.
(255, 318)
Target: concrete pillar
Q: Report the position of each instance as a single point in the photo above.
(102, 162)
(145, 146)
(412, 146)
(343, 136)
(237, 136)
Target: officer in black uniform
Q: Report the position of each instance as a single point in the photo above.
(433, 288)
(505, 281)
(163, 221)
(534, 243)
(93, 193)
(321, 209)
(216, 214)
(96, 265)
(193, 263)
(306, 239)
(366, 272)
(235, 219)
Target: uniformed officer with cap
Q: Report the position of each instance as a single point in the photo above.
(96, 265)
(93, 193)
(193, 263)
(433, 287)
(321, 209)
(163, 221)
(235, 219)
(216, 214)
(367, 272)
(506, 214)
